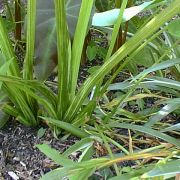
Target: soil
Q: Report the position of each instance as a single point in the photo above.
(20, 159)
(19, 155)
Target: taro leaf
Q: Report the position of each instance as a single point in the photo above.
(174, 28)
(45, 44)
(109, 18)
(102, 5)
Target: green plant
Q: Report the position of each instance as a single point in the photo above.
(30, 99)
(166, 167)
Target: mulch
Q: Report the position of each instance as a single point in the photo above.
(19, 157)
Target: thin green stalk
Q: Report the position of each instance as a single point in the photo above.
(118, 145)
(116, 29)
(170, 42)
(18, 20)
(11, 17)
(108, 149)
(154, 148)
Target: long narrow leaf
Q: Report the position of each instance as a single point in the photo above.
(67, 127)
(150, 83)
(116, 29)
(156, 67)
(169, 168)
(162, 113)
(7, 49)
(78, 42)
(54, 155)
(82, 144)
(146, 131)
(175, 127)
(32, 84)
(64, 55)
(31, 21)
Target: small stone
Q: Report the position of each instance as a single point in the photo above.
(13, 175)
(16, 159)
(23, 164)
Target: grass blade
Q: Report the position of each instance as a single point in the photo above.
(162, 113)
(64, 55)
(67, 127)
(146, 130)
(78, 42)
(7, 50)
(169, 168)
(29, 57)
(54, 155)
(175, 127)
(82, 144)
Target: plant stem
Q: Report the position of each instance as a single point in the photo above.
(18, 20)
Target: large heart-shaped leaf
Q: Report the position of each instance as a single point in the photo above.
(45, 44)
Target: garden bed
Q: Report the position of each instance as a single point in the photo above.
(19, 155)
(116, 90)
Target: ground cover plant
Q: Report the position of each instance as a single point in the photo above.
(113, 118)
